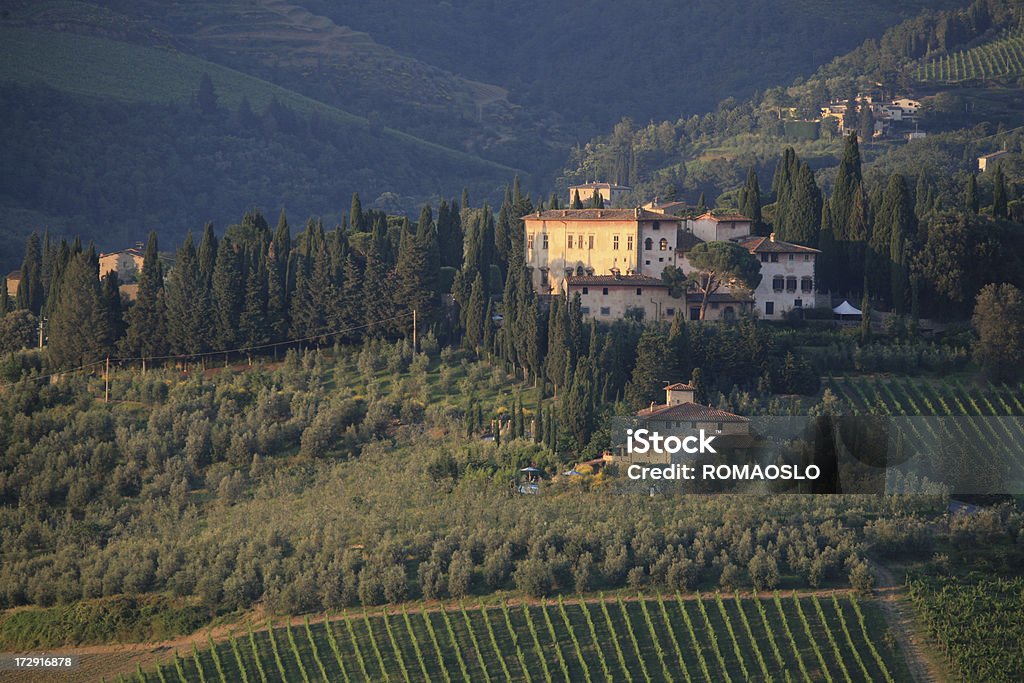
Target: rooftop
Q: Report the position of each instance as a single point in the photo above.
(600, 215)
(723, 217)
(767, 245)
(689, 412)
(615, 280)
(599, 186)
(686, 241)
(680, 386)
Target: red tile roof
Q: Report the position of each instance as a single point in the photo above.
(613, 280)
(679, 386)
(765, 245)
(689, 412)
(600, 215)
(724, 218)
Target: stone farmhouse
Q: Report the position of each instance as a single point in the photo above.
(611, 194)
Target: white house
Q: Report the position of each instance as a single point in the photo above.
(987, 159)
(709, 227)
(787, 276)
(611, 193)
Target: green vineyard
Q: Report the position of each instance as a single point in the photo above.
(1000, 58)
(977, 623)
(719, 638)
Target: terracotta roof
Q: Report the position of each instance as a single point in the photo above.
(729, 298)
(724, 218)
(993, 155)
(765, 245)
(595, 186)
(685, 241)
(689, 412)
(679, 386)
(600, 215)
(14, 274)
(129, 250)
(621, 280)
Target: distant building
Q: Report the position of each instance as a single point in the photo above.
(907, 106)
(574, 242)
(709, 227)
(916, 135)
(613, 297)
(668, 208)
(681, 416)
(127, 263)
(13, 280)
(985, 160)
(611, 193)
(787, 276)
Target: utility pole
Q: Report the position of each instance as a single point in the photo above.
(413, 331)
(106, 382)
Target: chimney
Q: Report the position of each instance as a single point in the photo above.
(652, 406)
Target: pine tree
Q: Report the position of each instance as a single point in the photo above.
(999, 203)
(188, 304)
(971, 194)
(78, 326)
(30, 289)
(228, 293)
(145, 336)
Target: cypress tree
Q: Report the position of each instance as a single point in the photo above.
(645, 384)
(597, 200)
(378, 308)
(750, 200)
(475, 315)
(847, 186)
(700, 394)
(30, 289)
(539, 425)
(825, 264)
(488, 334)
(188, 303)
(145, 336)
(207, 257)
(971, 194)
(679, 348)
(858, 229)
(5, 302)
(252, 323)
(577, 408)
(865, 316)
(356, 217)
(999, 203)
(78, 327)
(558, 358)
(351, 313)
(576, 203)
(526, 336)
(893, 227)
(702, 204)
(277, 303)
(503, 229)
(799, 217)
(866, 122)
(228, 294)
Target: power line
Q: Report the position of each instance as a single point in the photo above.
(325, 331)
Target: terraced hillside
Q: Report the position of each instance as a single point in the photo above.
(717, 638)
(1001, 58)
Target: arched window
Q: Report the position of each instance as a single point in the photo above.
(663, 244)
(648, 244)
(579, 270)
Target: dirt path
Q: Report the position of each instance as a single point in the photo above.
(891, 599)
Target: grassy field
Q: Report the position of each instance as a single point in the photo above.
(97, 67)
(712, 638)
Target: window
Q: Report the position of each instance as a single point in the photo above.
(529, 241)
(769, 308)
(791, 283)
(648, 244)
(714, 305)
(629, 243)
(806, 284)
(585, 310)
(604, 291)
(647, 262)
(615, 242)
(775, 258)
(590, 242)
(569, 241)
(605, 310)
(694, 312)
(545, 245)
(719, 427)
(657, 225)
(778, 283)
(807, 257)
(663, 244)
(791, 257)
(661, 260)
(798, 303)
(639, 291)
(693, 425)
(670, 311)
(586, 290)
(764, 258)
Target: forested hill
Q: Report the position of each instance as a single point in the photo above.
(105, 133)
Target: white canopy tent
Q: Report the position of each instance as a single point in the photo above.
(845, 309)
